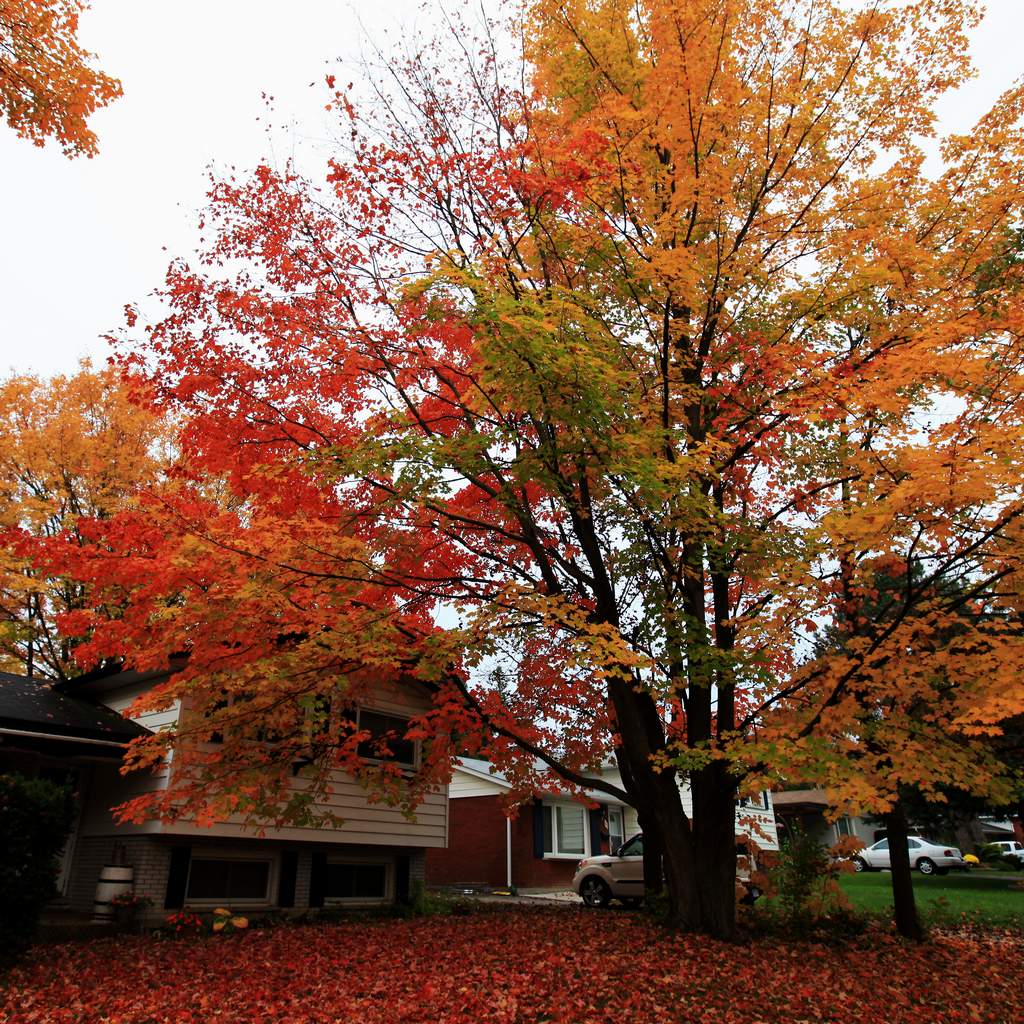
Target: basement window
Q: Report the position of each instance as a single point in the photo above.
(228, 879)
(357, 881)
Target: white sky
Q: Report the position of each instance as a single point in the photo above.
(82, 238)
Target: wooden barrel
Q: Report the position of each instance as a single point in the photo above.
(114, 881)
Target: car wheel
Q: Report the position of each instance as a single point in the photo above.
(926, 866)
(860, 864)
(594, 891)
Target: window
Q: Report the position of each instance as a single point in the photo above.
(565, 830)
(913, 844)
(758, 800)
(387, 738)
(616, 828)
(882, 845)
(228, 879)
(634, 848)
(571, 827)
(844, 827)
(349, 880)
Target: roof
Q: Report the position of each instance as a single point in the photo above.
(113, 675)
(481, 769)
(29, 705)
(800, 801)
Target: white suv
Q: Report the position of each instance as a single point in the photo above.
(1010, 848)
(929, 858)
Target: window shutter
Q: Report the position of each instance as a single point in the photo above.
(538, 829)
(402, 879)
(177, 877)
(286, 880)
(317, 879)
(597, 832)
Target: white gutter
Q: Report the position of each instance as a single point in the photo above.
(508, 853)
(59, 738)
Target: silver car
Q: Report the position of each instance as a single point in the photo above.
(620, 875)
(929, 858)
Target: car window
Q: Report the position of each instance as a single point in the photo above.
(882, 844)
(633, 848)
(913, 844)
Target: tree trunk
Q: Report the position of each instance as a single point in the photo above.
(904, 907)
(654, 856)
(698, 857)
(714, 827)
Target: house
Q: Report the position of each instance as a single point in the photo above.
(74, 731)
(807, 809)
(541, 846)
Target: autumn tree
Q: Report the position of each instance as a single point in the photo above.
(607, 367)
(70, 447)
(49, 85)
(920, 731)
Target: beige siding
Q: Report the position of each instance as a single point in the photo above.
(365, 822)
(374, 824)
(106, 789)
(464, 784)
(122, 699)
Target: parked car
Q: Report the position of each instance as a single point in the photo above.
(620, 875)
(929, 858)
(1010, 848)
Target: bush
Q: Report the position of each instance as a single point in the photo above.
(992, 856)
(807, 894)
(35, 819)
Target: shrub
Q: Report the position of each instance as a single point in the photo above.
(807, 894)
(35, 819)
(992, 856)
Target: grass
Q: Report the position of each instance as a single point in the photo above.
(986, 897)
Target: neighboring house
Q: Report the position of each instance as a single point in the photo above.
(807, 809)
(74, 731)
(543, 843)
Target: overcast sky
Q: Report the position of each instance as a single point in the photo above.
(82, 238)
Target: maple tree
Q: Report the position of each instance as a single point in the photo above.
(623, 369)
(513, 965)
(48, 84)
(70, 447)
(924, 731)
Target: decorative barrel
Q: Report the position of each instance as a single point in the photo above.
(114, 880)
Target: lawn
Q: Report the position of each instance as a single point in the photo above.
(988, 897)
(515, 965)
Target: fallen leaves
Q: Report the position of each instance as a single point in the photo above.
(513, 966)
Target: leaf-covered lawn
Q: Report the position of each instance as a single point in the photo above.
(514, 966)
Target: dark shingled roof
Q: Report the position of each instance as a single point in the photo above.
(33, 705)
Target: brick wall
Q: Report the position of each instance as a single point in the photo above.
(476, 845)
(149, 857)
(476, 849)
(529, 871)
